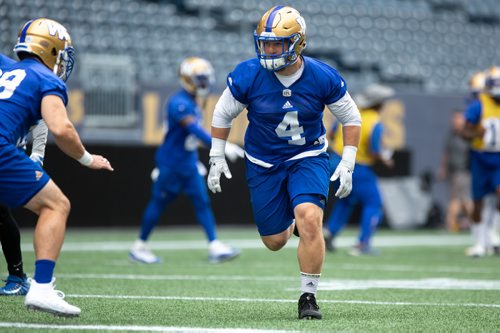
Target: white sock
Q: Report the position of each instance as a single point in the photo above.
(495, 230)
(487, 220)
(139, 244)
(482, 237)
(474, 232)
(309, 283)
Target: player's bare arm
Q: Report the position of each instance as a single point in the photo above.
(471, 131)
(351, 135)
(220, 133)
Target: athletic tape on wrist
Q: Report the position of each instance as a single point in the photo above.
(218, 147)
(86, 159)
(349, 155)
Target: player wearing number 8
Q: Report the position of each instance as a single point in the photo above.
(285, 94)
(483, 128)
(30, 90)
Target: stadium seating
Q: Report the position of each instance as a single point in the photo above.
(430, 45)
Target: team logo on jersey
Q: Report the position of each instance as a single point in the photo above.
(320, 141)
(287, 105)
(38, 175)
(287, 92)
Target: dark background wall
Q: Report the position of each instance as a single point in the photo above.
(111, 199)
(101, 198)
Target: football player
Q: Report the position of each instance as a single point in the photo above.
(454, 168)
(482, 127)
(32, 89)
(365, 189)
(17, 283)
(177, 165)
(287, 166)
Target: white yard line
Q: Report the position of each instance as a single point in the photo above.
(326, 284)
(413, 268)
(136, 328)
(420, 284)
(268, 300)
(342, 242)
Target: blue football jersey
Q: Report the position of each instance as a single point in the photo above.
(23, 84)
(5, 61)
(179, 148)
(284, 122)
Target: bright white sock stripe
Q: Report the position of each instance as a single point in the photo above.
(136, 328)
(268, 300)
(379, 241)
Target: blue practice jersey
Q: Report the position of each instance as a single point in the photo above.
(179, 148)
(23, 84)
(473, 112)
(5, 61)
(285, 122)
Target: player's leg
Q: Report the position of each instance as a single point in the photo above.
(342, 210)
(455, 202)
(488, 219)
(495, 230)
(271, 206)
(452, 213)
(371, 215)
(17, 282)
(52, 208)
(308, 218)
(196, 189)
(480, 188)
(164, 190)
(308, 184)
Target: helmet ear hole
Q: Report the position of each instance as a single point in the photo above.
(54, 51)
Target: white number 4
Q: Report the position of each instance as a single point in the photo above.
(289, 127)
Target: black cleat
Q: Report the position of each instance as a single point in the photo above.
(308, 309)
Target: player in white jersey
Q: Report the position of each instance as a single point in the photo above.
(288, 175)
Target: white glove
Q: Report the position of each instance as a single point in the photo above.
(37, 158)
(154, 174)
(233, 152)
(218, 166)
(344, 172)
(202, 170)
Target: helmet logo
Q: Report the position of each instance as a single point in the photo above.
(57, 29)
(302, 23)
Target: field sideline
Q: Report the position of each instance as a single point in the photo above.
(421, 281)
